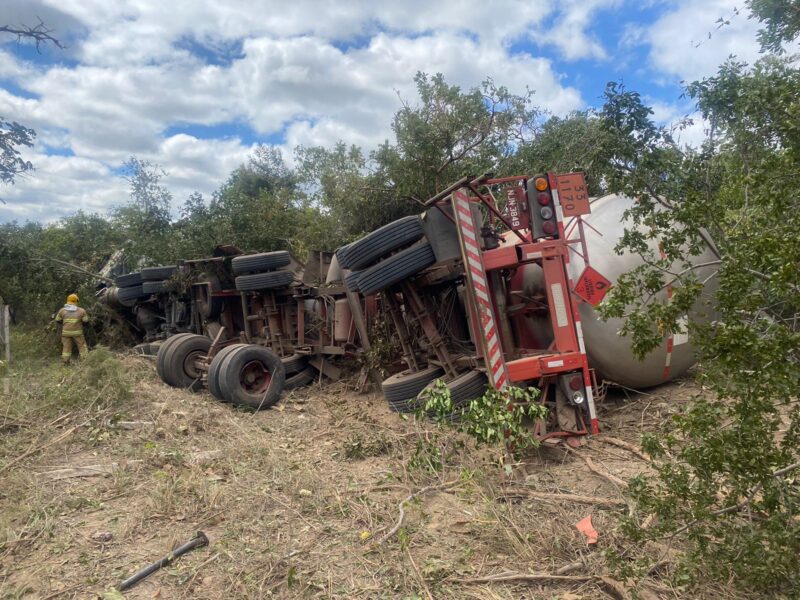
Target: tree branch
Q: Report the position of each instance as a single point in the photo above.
(739, 506)
(409, 498)
(39, 33)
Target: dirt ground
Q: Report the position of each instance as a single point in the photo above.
(297, 501)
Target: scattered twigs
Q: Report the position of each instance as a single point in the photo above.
(594, 469)
(99, 470)
(623, 444)
(521, 491)
(508, 576)
(32, 451)
(189, 582)
(612, 587)
(62, 592)
(570, 568)
(419, 575)
(401, 507)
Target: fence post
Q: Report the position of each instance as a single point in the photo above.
(5, 338)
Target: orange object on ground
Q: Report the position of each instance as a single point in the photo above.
(586, 528)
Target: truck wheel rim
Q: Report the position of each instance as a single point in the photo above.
(255, 377)
(188, 363)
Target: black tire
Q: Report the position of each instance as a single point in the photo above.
(162, 352)
(294, 363)
(351, 281)
(264, 281)
(381, 242)
(128, 280)
(396, 268)
(179, 370)
(217, 364)
(258, 263)
(401, 389)
(267, 372)
(127, 294)
(158, 273)
(208, 306)
(341, 254)
(304, 377)
(463, 389)
(154, 287)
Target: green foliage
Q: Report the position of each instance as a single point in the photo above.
(781, 19)
(12, 137)
(448, 134)
(453, 133)
(39, 382)
(566, 144)
(716, 484)
(350, 191)
(497, 417)
(99, 379)
(145, 220)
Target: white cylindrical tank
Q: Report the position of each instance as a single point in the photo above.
(343, 319)
(610, 353)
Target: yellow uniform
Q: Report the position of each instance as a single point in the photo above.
(72, 317)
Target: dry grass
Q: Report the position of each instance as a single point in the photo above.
(293, 499)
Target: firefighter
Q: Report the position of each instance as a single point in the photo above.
(72, 317)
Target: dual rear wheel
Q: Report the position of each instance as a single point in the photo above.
(242, 374)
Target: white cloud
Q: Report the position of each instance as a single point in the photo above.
(305, 72)
(570, 32)
(61, 185)
(300, 73)
(680, 42)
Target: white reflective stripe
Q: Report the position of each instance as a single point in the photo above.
(579, 329)
(482, 295)
(683, 337)
(475, 265)
(532, 255)
(558, 303)
(559, 212)
(669, 359)
(590, 399)
(468, 234)
(491, 337)
(555, 363)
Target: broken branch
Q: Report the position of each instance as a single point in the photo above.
(593, 468)
(566, 497)
(409, 498)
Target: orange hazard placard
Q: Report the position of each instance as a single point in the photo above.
(592, 286)
(573, 195)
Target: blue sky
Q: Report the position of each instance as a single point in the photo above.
(194, 85)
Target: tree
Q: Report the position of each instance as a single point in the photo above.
(349, 191)
(781, 19)
(452, 133)
(14, 136)
(564, 144)
(726, 476)
(145, 219)
(448, 134)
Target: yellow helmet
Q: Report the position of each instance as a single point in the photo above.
(72, 299)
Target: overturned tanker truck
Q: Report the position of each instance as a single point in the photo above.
(503, 292)
(496, 284)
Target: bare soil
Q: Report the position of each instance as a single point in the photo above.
(296, 501)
